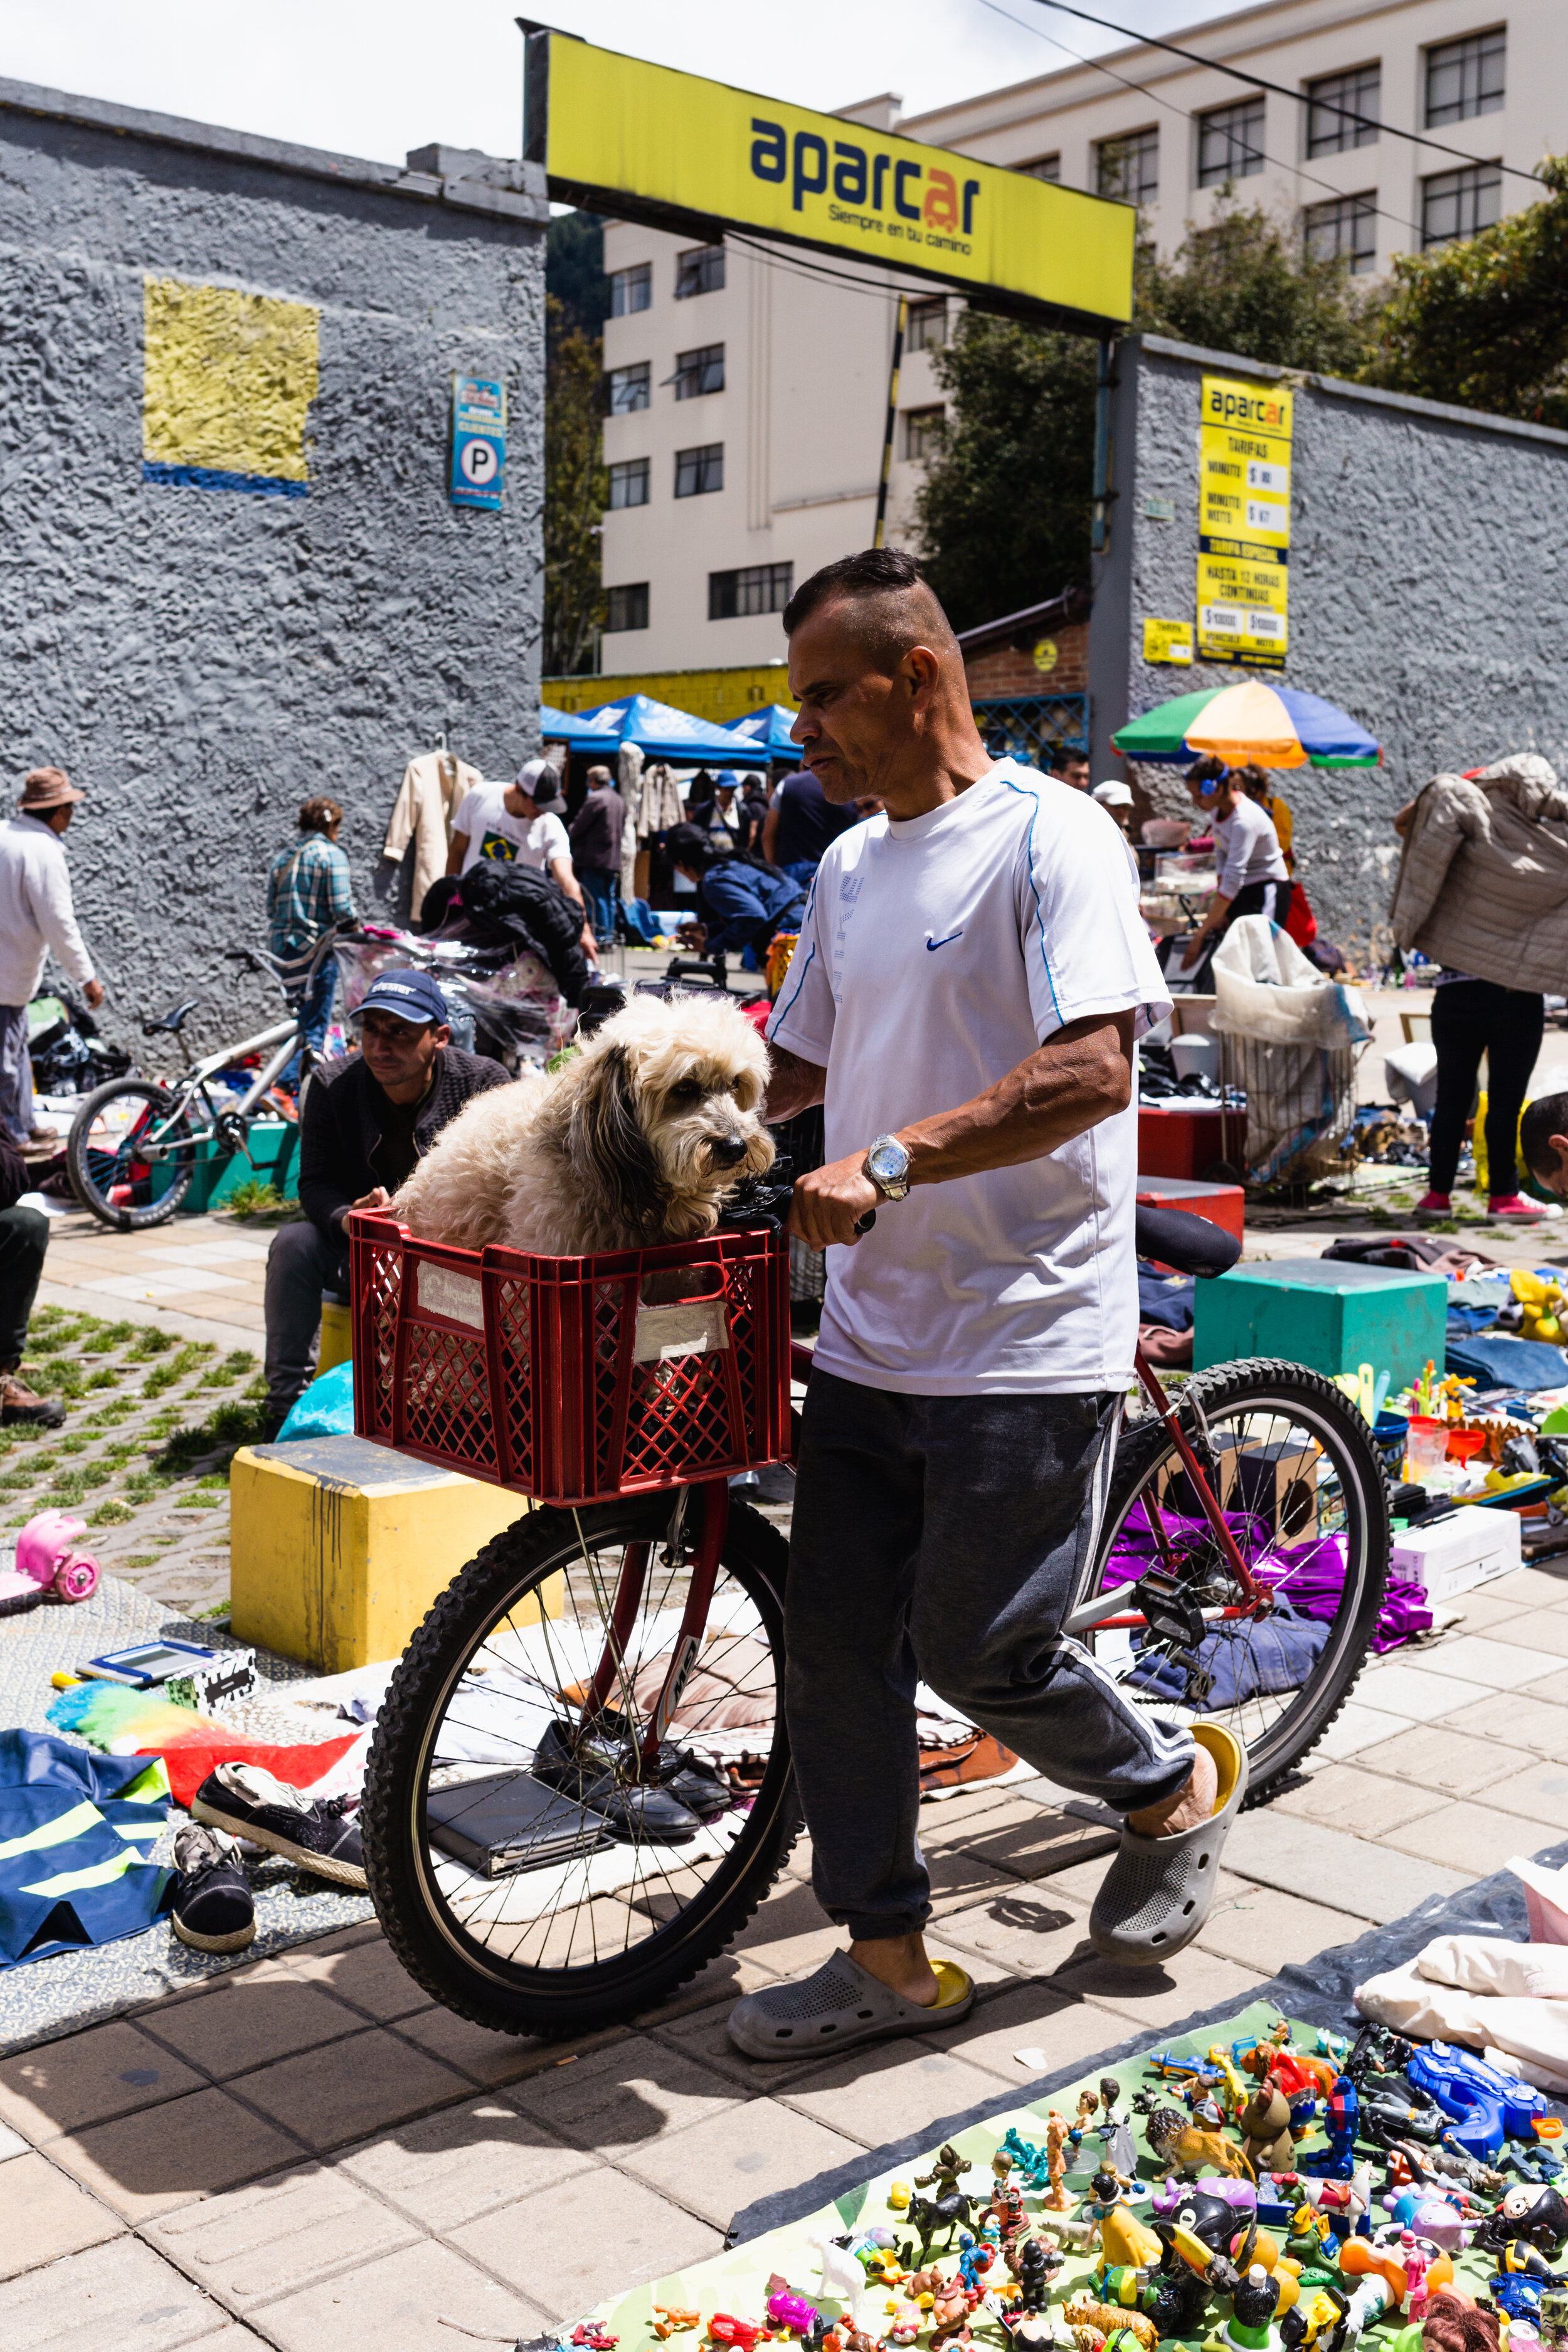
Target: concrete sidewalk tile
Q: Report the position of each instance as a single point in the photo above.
(958, 1878)
(464, 2162)
(1324, 1866)
(110, 2070)
(1448, 1762)
(424, 2298)
(1535, 1792)
(1541, 1630)
(163, 2157)
(349, 2089)
(1026, 1929)
(1041, 1843)
(887, 2090)
(1355, 1728)
(567, 2252)
(636, 2091)
(258, 2244)
(1499, 1666)
(1488, 1607)
(789, 1934)
(1472, 1837)
(1530, 1721)
(1415, 1691)
(363, 1972)
(1349, 1796)
(10, 2143)
(719, 1984)
(717, 2167)
(47, 2216)
(1538, 1588)
(704, 2036)
(1262, 1928)
(249, 2018)
(1156, 1998)
(968, 1802)
(1028, 2017)
(987, 1975)
(113, 2298)
(486, 2057)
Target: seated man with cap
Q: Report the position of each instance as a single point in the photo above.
(365, 1122)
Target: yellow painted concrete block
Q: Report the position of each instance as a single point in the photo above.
(338, 1547)
(337, 1337)
(227, 380)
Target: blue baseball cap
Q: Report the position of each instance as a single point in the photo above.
(726, 776)
(412, 995)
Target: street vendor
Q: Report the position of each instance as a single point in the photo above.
(741, 900)
(1253, 877)
(366, 1120)
(971, 976)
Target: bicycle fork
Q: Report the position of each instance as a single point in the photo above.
(714, 1496)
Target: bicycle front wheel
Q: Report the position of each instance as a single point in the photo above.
(131, 1155)
(511, 1837)
(1292, 1466)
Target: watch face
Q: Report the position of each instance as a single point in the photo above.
(888, 1160)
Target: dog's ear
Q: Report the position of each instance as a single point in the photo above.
(614, 1148)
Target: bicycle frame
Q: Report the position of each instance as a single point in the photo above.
(286, 1036)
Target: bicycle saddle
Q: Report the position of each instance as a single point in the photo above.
(1191, 1244)
(173, 1020)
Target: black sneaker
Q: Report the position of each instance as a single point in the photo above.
(640, 1812)
(249, 1803)
(700, 1785)
(212, 1908)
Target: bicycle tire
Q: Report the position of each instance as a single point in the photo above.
(87, 1181)
(1257, 1384)
(422, 1931)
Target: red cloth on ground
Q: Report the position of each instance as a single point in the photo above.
(1300, 923)
(189, 1761)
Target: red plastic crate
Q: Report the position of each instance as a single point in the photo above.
(522, 1370)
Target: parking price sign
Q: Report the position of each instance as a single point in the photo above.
(479, 442)
(1244, 522)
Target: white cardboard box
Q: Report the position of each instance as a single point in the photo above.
(1458, 1553)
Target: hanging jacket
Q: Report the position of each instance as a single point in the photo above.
(1483, 877)
(513, 904)
(662, 806)
(76, 1831)
(422, 814)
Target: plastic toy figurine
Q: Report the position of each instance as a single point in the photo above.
(591, 2337)
(1314, 2324)
(1088, 2108)
(898, 2196)
(929, 2215)
(1083, 2311)
(842, 2276)
(671, 2320)
(48, 1565)
(1342, 2123)
(1488, 2105)
(1250, 2327)
(1123, 2238)
(1182, 2147)
(1008, 2210)
(1539, 2215)
(789, 2313)
(946, 2172)
(975, 2259)
(1264, 2124)
(743, 2334)
(1552, 2317)
(1034, 2263)
(1055, 2199)
(1025, 2157)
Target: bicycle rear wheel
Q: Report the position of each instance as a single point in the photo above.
(107, 1155)
(516, 1936)
(1292, 1464)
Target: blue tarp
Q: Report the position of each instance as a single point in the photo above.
(75, 1831)
(656, 728)
(325, 1410)
(769, 732)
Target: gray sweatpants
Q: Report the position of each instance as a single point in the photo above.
(16, 1074)
(942, 1538)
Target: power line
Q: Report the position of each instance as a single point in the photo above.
(1303, 97)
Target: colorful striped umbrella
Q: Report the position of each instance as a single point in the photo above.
(1270, 726)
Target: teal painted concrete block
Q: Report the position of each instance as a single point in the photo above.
(274, 1146)
(1330, 1316)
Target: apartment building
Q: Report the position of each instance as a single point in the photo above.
(748, 387)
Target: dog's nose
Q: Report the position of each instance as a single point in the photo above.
(728, 1148)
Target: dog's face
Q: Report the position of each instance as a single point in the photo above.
(672, 1102)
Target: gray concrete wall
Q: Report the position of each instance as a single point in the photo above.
(1429, 554)
(203, 660)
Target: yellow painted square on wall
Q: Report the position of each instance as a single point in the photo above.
(227, 383)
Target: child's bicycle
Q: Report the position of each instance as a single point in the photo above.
(580, 1787)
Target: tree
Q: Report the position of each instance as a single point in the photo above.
(1005, 510)
(574, 271)
(576, 492)
(1483, 323)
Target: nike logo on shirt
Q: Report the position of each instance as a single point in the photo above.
(932, 945)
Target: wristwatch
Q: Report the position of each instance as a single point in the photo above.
(888, 1166)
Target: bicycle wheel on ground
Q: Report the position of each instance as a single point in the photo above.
(528, 1871)
(1291, 1463)
(131, 1154)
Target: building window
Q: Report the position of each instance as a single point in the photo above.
(699, 372)
(1343, 230)
(928, 326)
(1044, 167)
(628, 608)
(701, 271)
(1230, 143)
(628, 484)
(1128, 167)
(1457, 204)
(700, 470)
(923, 429)
(629, 388)
(1464, 77)
(1329, 131)
(631, 289)
(757, 588)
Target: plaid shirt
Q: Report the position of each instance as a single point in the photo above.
(307, 889)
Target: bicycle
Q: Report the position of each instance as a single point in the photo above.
(624, 1642)
(131, 1133)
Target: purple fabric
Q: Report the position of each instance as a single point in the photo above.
(1311, 1575)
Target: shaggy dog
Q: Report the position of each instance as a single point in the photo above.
(636, 1142)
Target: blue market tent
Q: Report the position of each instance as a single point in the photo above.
(769, 730)
(560, 725)
(656, 728)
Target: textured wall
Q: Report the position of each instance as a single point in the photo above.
(200, 659)
(1428, 561)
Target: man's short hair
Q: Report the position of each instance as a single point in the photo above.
(595, 776)
(1547, 1116)
(876, 584)
(320, 815)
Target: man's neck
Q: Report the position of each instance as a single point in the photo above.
(936, 782)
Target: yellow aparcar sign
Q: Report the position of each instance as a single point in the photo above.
(646, 143)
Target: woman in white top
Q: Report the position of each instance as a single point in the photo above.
(1252, 878)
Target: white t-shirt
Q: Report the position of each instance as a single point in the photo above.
(1248, 849)
(493, 832)
(936, 954)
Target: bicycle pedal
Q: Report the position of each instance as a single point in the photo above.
(1169, 1609)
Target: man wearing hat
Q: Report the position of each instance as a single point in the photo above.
(36, 918)
(1116, 798)
(367, 1121)
(516, 823)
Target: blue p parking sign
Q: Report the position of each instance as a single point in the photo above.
(479, 442)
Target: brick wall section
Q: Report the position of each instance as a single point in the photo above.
(1004, 670)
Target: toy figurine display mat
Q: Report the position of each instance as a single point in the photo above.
(42, 2000)
(737, 2280)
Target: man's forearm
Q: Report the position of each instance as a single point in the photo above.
(1077, 1077)
(795, 1086)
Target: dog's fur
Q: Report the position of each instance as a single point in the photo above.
(636, 1142)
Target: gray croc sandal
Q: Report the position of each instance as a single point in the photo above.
(1159, 1891)
(839, 2006)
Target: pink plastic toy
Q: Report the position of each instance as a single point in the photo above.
(49, 1564)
